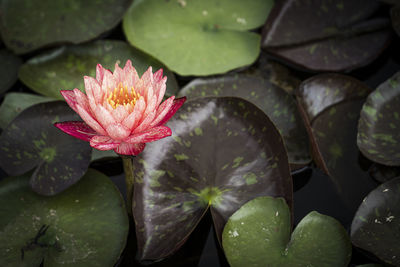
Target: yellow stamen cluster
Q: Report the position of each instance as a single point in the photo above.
(122, 96)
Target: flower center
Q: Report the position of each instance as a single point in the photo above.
(122, 96)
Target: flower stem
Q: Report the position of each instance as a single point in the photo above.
(129, 181)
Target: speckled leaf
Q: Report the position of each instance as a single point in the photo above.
(376, 225)
(258, 88)
(223, 153)
(335, 133)
(70, 229)
(8, 69)
(26, 25)
(258, 234)
(64, 68)
(322, 91)
(31, 141)
(14, 103)
(326, 35)
(197, 37)
(379, 127)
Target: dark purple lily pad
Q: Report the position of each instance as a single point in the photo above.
(326, 35)
(8, 69)
(383, 173)
(31, 141)
(379, 127)
(26, 25)
(335, 133)
(223, 152)
(276, 103)
(376, 225)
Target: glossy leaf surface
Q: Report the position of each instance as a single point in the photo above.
(26, 25)
(199, 37)
(325, 35)
(64, 68)
(258, 234)
(379, 127)
(31, 141)
(70, 229)
(8, 69)
(223, 152)
(376, 224)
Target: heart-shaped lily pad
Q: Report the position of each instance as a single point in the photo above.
(15, 103)
(197, 37)
(8, 69)
(31, 141)
(47, 22)
(376, 225)
(325, 35)
(379, 127)
(258, 234)
(84, 226)
(223, 152)
(64, 68)
(280, 106)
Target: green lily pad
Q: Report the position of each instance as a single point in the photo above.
(199, 37)
(370, 265)
(70, 229)
(100, 154)
(379, 127)
(258, 234)
(376, 224)
(47, 22)
(31, 141)
(223, 152)
(326, 35)
(64, 68)
(258, 88)
(15, 103)
(8, 69)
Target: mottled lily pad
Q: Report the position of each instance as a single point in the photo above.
(70, 229)
(15, 103)
(64, 68)
(325, 35)
(258, 88)
(8, 69)
(223, 152)
(383, 173)
(26, 25)
(31, 141)
(379, 127)
(258, 234)
(376, 224)
(197, 37)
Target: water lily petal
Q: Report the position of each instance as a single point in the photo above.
(104, 116)
(70, 97)
(162, 110)
(175, 106)
(129, 149)
(133, 119)
(109, 82)
(118, 131)
(157, 76)
(90, 120)
(160, 89)
(144, 125)
(78, 129)
(82, 99)
(99, 73)
(101, 142)
(120, 113)
(119, 74)
(150, 135)
(131, 74)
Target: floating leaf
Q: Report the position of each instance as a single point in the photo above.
(379, 127)
(47, 22)
(70, 229)
(223, 152)
(326, 35)
(395, 16)
(8, 69)
(376, 224)
(32, 141)
(64, 68)
(258, 88)
(199, 37)
(383, 173)
(258, 234)
(100, 154)
(15, 103)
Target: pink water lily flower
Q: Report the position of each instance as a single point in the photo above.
(121, 111)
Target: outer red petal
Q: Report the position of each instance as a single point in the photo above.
(150, 135)
(174, 108)
(78, 129)
(129, 149)
(70, 97)
(102, 142)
